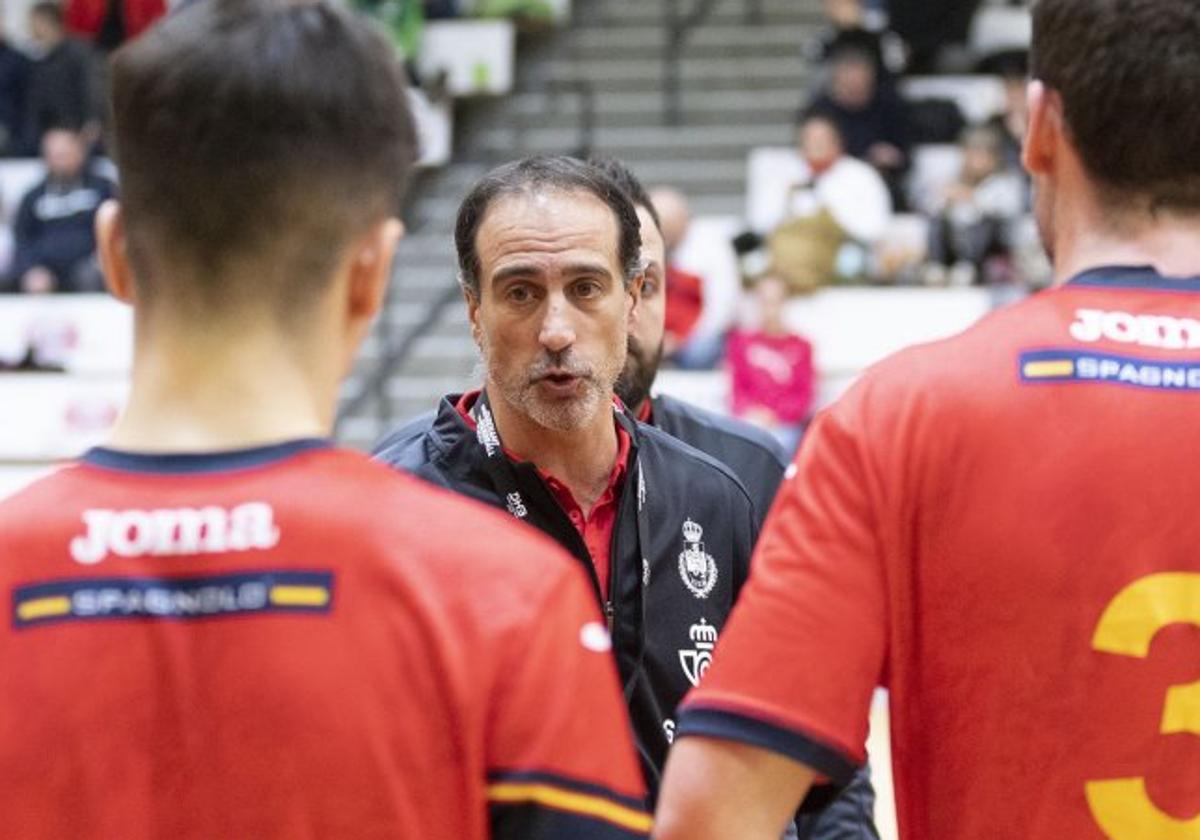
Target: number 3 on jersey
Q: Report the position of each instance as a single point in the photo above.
(1122, 807)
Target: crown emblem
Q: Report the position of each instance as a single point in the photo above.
(703, 634)
(692, 532)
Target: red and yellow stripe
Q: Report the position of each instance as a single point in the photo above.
(574, 802)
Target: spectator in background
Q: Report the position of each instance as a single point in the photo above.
(684, 290)
(872, 118)
(62, 83)
(1012, 123)
(14, 77)
(848, 26)
(969, 236)
(827, 201)
(56, 241)
(109, 23)
(704, 282)
(771, 368)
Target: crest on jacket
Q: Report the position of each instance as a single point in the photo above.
(695, 661)
(696, 566)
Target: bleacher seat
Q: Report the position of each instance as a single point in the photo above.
(47, 417)
(477, 56)
(935, 167)
(999, 28)
(853, 328)
(979, 98)
(87, 335)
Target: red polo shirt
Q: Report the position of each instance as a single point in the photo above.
(598, 528)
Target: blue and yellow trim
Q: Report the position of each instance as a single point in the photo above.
(512, 794)
(1074, 365)
(172, 598)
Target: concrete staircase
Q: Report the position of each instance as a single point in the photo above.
(741, 84)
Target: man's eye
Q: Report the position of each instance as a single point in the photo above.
(588, 288)
(519, 294)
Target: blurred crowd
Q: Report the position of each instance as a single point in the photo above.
(52, 107)
(886, 185)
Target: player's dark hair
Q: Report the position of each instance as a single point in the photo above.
(624, 178)
(1128, 72)
(258, 133)
(536, 175)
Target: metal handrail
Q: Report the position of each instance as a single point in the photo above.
(374, 386)
(678, 27)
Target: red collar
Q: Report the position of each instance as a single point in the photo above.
(624, 444)
(645, 412)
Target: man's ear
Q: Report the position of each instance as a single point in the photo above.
(472, 301)
(1045, 129)
(371, 268)
(114, 257)
(633, 297)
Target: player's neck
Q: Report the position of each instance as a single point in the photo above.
(583, 459)
(207, 393)
(1167, 242)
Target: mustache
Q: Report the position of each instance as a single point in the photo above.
(559, 363)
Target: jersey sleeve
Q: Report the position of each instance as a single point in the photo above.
(799, 660)
(561, 762)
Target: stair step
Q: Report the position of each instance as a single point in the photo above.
(747, 72)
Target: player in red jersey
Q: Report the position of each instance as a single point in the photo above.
(213, 632)
(1002, 527)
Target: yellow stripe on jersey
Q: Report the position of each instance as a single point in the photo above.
(573, 802)
(299, 596)
(1047, 370)
(44, 608)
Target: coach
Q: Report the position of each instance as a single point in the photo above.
(550, 265)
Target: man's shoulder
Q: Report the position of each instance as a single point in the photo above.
(689, 465)
(716, 434)
(404, 446)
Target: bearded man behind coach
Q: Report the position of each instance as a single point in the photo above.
(550, 265)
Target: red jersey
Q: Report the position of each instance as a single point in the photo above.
(242, 645)
(685, 303)
(1002, 528)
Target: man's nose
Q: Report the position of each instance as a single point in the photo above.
(558, 330)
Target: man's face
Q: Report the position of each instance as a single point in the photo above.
(820, 143)
(44, 31)
(552, 318)
(63, 153)
(852, 81)
(646, 332)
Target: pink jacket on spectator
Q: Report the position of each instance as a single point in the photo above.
(773, 372)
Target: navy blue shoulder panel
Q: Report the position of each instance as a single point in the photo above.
(1134, 277)
(189, 463)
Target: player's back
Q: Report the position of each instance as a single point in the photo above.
(243, 645)
(1038, 480)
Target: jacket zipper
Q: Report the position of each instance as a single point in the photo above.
(610, 615)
